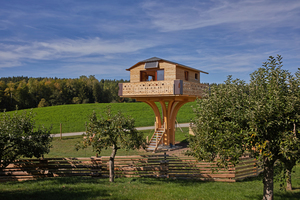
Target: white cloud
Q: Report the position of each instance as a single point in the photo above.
(10, 64)
(198, 15)
(228, 63)
(68, 48)
(218, 36)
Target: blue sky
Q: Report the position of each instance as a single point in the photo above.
(69, 38)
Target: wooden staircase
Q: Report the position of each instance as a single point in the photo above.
(156, 139)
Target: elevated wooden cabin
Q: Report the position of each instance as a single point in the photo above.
(169, 83)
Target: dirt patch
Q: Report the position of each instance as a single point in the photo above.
(180, 149)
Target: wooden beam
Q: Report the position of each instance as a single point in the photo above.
(156, 112)
(166, 99)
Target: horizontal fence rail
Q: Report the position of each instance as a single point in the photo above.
(163, 166)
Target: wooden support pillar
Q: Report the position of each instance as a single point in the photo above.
(165, 121)
(170, 108)
(156, 112)
(173, 115)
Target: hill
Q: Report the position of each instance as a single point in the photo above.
(74, 116)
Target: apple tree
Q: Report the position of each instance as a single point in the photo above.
(111, 131)
(258, 118)
(20, 138)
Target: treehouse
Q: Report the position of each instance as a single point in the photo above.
(168, 83)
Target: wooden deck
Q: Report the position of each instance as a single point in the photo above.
(162, 88)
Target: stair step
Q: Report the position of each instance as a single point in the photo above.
(156, 138)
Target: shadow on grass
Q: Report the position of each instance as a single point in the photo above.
(76, 188)
(163, 181)
(255, 178)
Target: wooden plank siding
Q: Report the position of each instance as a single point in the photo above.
(191, 74)
(161, 165)
(135, 73)
(169, 72)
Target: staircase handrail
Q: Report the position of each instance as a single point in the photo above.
(154, 133)
(157, 143)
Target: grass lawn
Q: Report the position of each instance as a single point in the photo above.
(78, 188)
(73, 117)
(66, 146)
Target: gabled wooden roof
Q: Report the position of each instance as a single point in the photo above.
(156, 59)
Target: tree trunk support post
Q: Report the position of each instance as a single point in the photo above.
(166, 119)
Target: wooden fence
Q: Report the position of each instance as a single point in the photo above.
(164, 166)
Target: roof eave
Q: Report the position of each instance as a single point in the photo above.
(183, 66)
(159, 59)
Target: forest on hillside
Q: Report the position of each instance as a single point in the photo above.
(24, 92)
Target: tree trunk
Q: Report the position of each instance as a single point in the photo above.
(288, 179)
(112, 164)
(268, 179)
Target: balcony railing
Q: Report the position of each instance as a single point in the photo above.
(162, 88)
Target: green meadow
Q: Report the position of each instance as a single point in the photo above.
(65, 147)
(73, 117)
(80, 188)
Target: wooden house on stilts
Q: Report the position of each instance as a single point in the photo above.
(169, 83)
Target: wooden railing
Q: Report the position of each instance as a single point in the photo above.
(191, 88)
(148, 88)
(162, 165)
(167, 88)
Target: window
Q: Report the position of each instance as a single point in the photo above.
(186, 75)
(150, 65)
(152, 75)
(160, 75)
(196, 76)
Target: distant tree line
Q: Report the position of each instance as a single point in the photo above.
(24, 92)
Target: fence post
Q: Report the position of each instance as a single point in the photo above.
(43, 167)
(96, 168)
(60, 127)
(164, 167)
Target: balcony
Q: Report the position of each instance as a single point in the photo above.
(162, 88)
